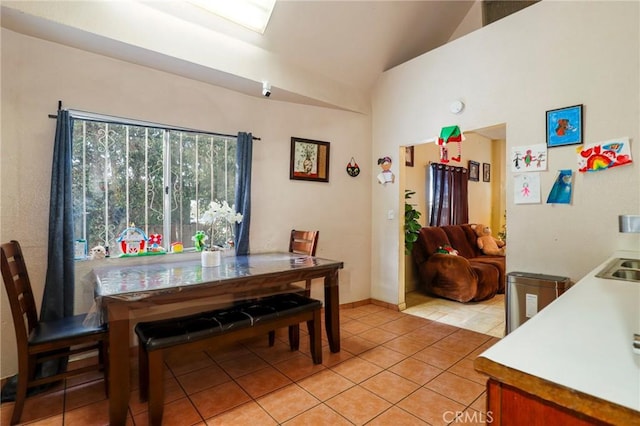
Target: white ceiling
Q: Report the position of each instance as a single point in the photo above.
(349, 41)
(319, 52)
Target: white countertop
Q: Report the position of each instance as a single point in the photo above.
(583, 340)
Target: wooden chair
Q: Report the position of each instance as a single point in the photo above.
(40, 341)
(303, 243)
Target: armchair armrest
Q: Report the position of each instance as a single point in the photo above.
(449, 276)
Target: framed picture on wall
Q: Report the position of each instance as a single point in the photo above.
(565, 126)
(474, 171)
(309, 160)
(408, 156)
(486, 172)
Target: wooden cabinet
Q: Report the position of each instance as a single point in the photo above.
(515, 398)
(507, 405)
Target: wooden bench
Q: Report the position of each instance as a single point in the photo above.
(220, 327)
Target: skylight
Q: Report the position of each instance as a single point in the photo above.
(252, 14)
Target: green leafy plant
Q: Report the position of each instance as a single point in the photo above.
(411, 224)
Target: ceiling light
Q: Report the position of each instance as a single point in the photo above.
(253, 14)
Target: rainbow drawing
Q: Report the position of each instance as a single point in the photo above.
(603, 155)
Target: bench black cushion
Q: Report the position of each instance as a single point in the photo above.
(175, 331)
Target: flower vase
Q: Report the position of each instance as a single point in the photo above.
(210, 258)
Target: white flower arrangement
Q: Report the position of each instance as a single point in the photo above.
(220, 217)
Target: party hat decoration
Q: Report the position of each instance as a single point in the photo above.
(450, 134)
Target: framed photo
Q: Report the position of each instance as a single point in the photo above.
(486, 172)
(309, 160)
(565, 126)
(474, 171)
(408, 156)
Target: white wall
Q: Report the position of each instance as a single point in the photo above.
(547, 56)
(36, 74)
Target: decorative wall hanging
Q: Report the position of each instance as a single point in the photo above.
(564, 126)
(486, 172)
(408, 156)
(447, 135)
(526, 188)
(353, 169)
(386, 176)
(561, 190)
(309, 160)
(604, 155)
(529, 158)
(474, 171)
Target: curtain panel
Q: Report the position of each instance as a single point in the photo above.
(449, 194)
(58, 298)
(244, 152)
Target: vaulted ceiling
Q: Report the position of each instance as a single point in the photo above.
(319, 52)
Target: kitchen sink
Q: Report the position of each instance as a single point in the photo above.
(621, 269)
(635, 264)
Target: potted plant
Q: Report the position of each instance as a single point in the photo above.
(411, 224)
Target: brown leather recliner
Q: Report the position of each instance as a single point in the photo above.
(470, 276)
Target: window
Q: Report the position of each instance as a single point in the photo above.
(157, 178)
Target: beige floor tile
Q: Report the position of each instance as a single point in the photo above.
(407, 345)
(357, 369)
(198, 380)
(218, 399)
(456, 388)
(176, 413)
(378, 336)
(249, 414)
(358, 405)
(242, 365)
(325, 384)
(93, 414)
(396, 417)
(356, 344)
(383, 357)
(48, 421)
(438, 358)
(330, 359)
(430, 406)
(286, 403)
(318, 415)
(464, 368)
(83, 394)
(263, 381)
(181, 362)
(390, 386)
(299, 367)
(416, 371)
(425, 367)
(356, 327)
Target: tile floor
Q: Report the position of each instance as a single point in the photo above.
(487, 317)
(393, 369)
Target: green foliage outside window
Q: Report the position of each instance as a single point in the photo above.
(119, 174)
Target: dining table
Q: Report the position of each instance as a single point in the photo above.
(165, 288)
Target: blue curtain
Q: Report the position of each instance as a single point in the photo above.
(57, 301)
(243, 191)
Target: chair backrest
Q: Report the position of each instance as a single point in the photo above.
(303, 242)
(18, 286)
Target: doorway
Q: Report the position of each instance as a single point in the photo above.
(485, 147)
